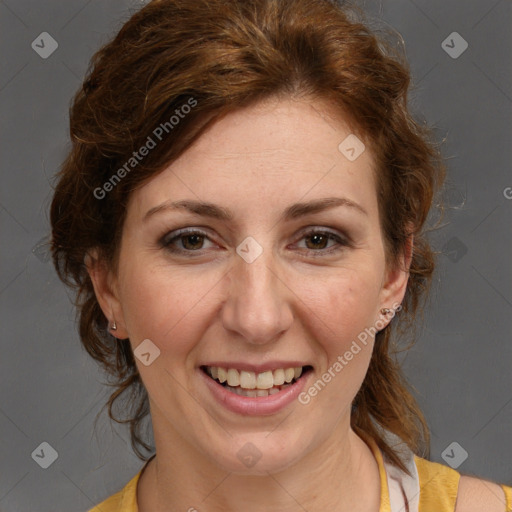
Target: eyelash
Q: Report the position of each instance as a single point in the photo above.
(167, 242)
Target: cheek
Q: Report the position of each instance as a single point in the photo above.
(343, 312)
(344, 306)
(345, 358)
(164, 306)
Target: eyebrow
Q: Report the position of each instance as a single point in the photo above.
(294, 211)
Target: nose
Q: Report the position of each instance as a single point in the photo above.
(258, 305)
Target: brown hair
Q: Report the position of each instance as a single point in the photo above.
(220, 56)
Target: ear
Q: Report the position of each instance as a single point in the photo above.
(106, 291)
(396, 278)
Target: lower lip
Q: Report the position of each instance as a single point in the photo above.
(254, 406)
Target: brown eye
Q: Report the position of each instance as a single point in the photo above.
(192, 241)
(317, 240)
(189, 241)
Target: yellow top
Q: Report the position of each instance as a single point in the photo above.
(438, 488)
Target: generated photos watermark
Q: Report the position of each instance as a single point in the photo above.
(343, 360)
(152, 141)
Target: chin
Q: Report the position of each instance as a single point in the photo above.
(258, 454)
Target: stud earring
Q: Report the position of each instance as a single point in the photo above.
(113, 327)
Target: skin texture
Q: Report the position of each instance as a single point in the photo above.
(288, 304)
(475, 494)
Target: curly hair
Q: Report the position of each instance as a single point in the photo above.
(227, 55)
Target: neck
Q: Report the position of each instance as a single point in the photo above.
(340, 475)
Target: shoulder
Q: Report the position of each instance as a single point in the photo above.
(447, 490)
(438, 486)
(476, 494)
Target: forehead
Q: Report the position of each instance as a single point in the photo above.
(267, 155)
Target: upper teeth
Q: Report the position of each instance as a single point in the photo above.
(252, 380)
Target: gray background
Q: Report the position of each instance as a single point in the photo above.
(461, 362)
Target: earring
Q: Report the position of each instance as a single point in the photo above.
(385, 311)
(113, 327)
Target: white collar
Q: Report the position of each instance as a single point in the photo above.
(404, 490)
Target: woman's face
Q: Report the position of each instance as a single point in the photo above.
(267, 279)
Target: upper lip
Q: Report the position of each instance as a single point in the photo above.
(256, 368)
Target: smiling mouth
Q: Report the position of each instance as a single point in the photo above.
(251, 384)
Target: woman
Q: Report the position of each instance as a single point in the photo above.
(242, 214)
